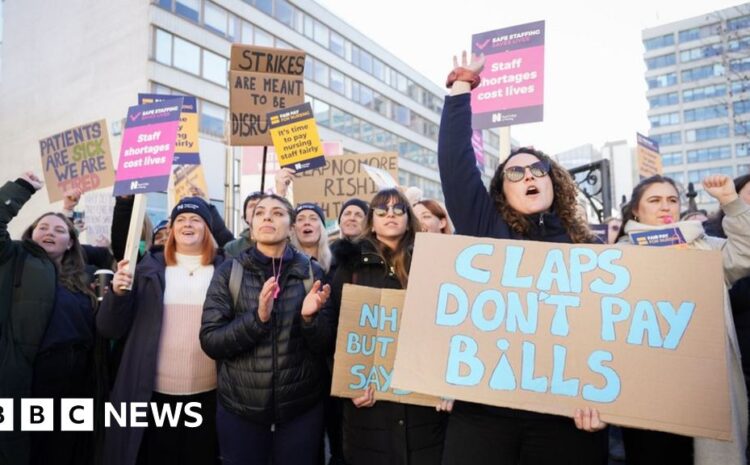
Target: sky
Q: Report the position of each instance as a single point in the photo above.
(595, 90)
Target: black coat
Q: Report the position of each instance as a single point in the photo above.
(388, 433)
(27, 296)
(138, 315)
(270, 372)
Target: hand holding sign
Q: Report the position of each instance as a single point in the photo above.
(720, 187)
(588, 420)
(314, 300)
(366, 400)
(32, 179)
(123, 280)
(283, 180)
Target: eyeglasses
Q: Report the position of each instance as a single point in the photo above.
(381, 210)
(516, 173)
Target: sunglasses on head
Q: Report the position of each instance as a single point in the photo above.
(538, 169)
(381, 210)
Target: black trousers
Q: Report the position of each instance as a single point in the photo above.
(477, 437)
(63, 372)
(182, 445)
(644, 447)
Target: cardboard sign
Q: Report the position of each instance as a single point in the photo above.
(187, 151)
(636, 332)
(99, 207)
(77, 158)
(366, 344)
(295, 138)
(148, 145)
(512, 86)
(666, 237)
(647, 157)
(262, 80)
(342, 178)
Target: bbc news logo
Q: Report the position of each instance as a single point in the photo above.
(78, 415)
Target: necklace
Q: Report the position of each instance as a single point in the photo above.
(191, 271)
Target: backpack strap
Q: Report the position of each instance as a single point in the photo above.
(235, 280)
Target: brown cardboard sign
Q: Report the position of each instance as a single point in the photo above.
(342, 178)
(366, 345)
(77, 158)
(636, 332)
(262, 80)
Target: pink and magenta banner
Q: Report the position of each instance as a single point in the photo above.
(512, 87)
(148, 146)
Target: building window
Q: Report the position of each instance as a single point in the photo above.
(670, 138)
(214, 68)
(337, 44)
(703, 72)
(738, 44)
(337, 81)
(739, 65)
(741, 128)
(266, 6)
(738, 23)
(659, 42)
(699, 32)
(321, 111)
(320, 33)
(661, 61)
(663, 100)
(704, 113)
(163, 47)
(700, 53)
(672, 158)
(212, 119)
(166, 4)
(696, 176)
(665, 119)
(320, 73)
(743, 170)
(742, 150)
(187, 56)
(665, 80)
(677, 176)
(739, 87)
(741, 107)
(708, 133)
(262, 38)
(215, 18)
(247, 33)
(284, 13)
(709, 154)
(189, 9)
(705, 92)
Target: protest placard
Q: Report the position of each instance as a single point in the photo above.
(77, 158)
(148, 145)
(366, 344)
(262, 80)
(295, 138)
(648, 159)
(554, 327)
(341, 178)
(511, 90)
(187, 148)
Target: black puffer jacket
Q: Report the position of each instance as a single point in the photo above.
(270, 372)
(387, 433)
(27, 295)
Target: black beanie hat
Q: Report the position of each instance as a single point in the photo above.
(357, 203)
(163, 224)
(310, 206)
(193, 205)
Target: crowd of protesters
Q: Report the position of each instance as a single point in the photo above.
(246, 326)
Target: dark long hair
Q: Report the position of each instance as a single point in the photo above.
(637, 195)
(399, 259)
(563, 203)
(71, 271)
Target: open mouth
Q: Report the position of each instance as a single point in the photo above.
(307, 231)
(48, 241)
(532, 190)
